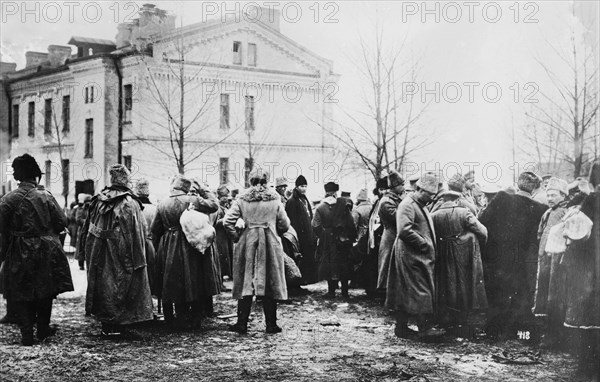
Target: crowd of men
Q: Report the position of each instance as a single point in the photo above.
(441, 255)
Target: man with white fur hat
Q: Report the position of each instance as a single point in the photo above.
(550, 281)
(411, 282)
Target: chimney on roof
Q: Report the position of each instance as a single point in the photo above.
(7, 67)
(58, 54)
(35, 58)
(139, 32)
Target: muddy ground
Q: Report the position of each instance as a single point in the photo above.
(311, 348)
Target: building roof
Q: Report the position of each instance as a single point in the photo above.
(77, 40)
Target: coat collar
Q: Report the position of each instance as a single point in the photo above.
(257, 194)
(331, 200)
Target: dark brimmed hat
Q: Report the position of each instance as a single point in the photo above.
(331, 187)
(383, 183)
(181, 183)
(394, 179)
(25, 167)
(345, 194)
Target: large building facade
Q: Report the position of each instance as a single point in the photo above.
(212, 99)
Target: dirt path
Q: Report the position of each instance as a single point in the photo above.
(362, 348)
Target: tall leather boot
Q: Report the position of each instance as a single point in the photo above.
(168, 313)
(183, 316)
(11, 316)
(196, 315)
(26, 312)
(243, 313)
(331, 286)
(344, 288)
(44, 312)
(270, 308)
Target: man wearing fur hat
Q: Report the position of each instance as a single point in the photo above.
(334, 227)
(459, 270)
(36, 268)
(114, 240)
(185, 280)
(258, 262)
(411, 282)
(281, 187)
(387, 215)
(510, 255)
(549, 291)
(299, 210)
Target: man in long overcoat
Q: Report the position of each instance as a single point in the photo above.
(510, 255)
(459, 270)
(582, 263)
(36, 268)
(300, 213)
(334, 226)
(411, 282)
(387, 214)
(258, 264)
(118, 290)
(188, 276)
(223, 242)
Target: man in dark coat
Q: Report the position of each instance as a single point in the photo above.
(224, 244)
(459, 271)
(582, 263)
(36, 268)
(188, 279)
(387, 214)
(114, 240)
(300, 213)
(411, 282)
(510, 255)
(334, 226)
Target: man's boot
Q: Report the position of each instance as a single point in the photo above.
(168, 313)
(243, 313)
(196, 315)
(331, 286)
(27, 335)
(44, 312)
(344, 288)
(270, 308)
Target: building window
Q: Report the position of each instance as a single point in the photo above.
(48, 173)
(91, 94)
(224, 111)
(252, 54)
(65, 176)
(48, 116)
(15, 121)
(89, 138)
(31, 119)
(237, 52)
(128, 95)
(127, 161)
(66, 114)
(224, 170)
(249, 112)
(87, 94)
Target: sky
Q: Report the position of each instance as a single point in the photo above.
(489, 46)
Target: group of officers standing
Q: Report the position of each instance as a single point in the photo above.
(439, 254)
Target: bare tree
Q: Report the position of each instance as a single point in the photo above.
(382, 132)
(564, 126)
(177, 121)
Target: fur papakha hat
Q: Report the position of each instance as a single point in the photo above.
(119, 175)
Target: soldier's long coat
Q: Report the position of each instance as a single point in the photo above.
(35, 265)
(118, 290)
(258, 265)
(411, 282)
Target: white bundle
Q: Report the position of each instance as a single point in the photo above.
(197, 229)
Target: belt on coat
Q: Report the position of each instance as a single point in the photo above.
(257, 225)
(104, 233)
(30, 234)
(452, 237)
